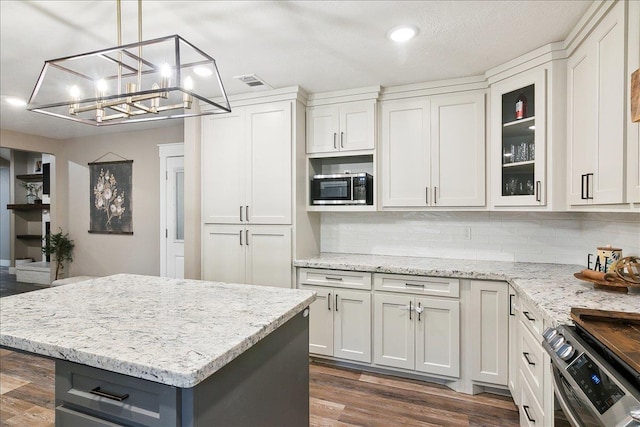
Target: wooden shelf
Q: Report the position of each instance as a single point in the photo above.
(30, 207)
(32, 177)
(29, 237)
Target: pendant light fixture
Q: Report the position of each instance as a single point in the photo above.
(148, 80)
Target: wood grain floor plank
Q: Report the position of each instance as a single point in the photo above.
(9, 383)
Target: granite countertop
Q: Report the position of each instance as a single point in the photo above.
(175, 332)
(550, 287)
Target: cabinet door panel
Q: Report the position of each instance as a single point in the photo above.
(405, 152)
(582, 123)
(322, 129)
(223, 255)
(608, 180)
(269, 169)
(223, 167)
(357, 126)
(438, 337)
(268, 256)
(457, 150)
(394, 331)
(489, 332)
(321, 321)
(352, 325)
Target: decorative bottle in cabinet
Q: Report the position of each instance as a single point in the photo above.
(521, 107)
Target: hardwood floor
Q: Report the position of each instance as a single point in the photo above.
(339, 397)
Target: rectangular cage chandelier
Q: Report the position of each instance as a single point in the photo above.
(149, 80)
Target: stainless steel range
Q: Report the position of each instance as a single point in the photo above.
(595, 369)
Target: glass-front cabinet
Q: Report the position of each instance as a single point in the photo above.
(518, 141)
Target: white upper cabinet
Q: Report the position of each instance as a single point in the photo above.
(633, 129)
(348, 126)
(246, 165)
(432, 151)
(596, 113)
(518, 141)
(457, 149)
(405, 144)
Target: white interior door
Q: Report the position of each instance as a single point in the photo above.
(175, 217)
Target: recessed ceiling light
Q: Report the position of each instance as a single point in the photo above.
(203, 71)
(402, 33)
(16, 102)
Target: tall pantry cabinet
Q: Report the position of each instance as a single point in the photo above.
(248, 190)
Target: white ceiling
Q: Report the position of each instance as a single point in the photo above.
(318, 45)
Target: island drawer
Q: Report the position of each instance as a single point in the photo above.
(66, 417)
(114, 397)
(334, 278)
(421, 285)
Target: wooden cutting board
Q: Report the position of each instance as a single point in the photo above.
(619, 331)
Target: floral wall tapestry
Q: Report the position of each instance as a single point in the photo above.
(111, 209)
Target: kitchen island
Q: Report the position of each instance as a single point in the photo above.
(147, 351)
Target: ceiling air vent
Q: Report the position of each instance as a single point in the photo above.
(253, 81)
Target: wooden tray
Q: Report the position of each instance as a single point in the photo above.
(619, 331)
(607, 285)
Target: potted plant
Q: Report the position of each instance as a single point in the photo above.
(60, 247)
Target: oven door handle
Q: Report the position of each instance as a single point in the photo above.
(562, 398)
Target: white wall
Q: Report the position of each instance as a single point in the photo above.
(564, 238)
(104, 254)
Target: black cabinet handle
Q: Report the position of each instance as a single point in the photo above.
(246, 212)
(112, 396)
(511, 312)
(241, 214)
(589, 196)
(246, 235)
(336, 303)
(339, 279)
(419, 311)
(582, 178)
(435, 195)
(329, 301)
(529, 318)
(426, 195)
(526, 357)
(240, 237)
(526, 411)
(410, 310)
(538, 191)
(341, 139)
(334, 140)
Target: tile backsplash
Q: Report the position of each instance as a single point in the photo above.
(556, 237)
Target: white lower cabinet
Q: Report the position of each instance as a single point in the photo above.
(514, 348)
(257, 255)
(417, 333)
(340, 323)
(490, 332)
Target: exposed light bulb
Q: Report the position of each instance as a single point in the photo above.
(188, 83)
(101, 86)
(74, 92)
(402, 33)
(203, 71)
(165, 70)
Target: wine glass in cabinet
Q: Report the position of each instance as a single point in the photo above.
(518, 141)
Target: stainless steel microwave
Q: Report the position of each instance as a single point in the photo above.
(342, 189)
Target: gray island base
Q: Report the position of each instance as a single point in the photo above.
(267, 385)
(142, 351)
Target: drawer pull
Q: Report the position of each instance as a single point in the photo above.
(338, 279)
(415, 285)
(526, 411)
(529, 318)
(118, 397)
(526, 357)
